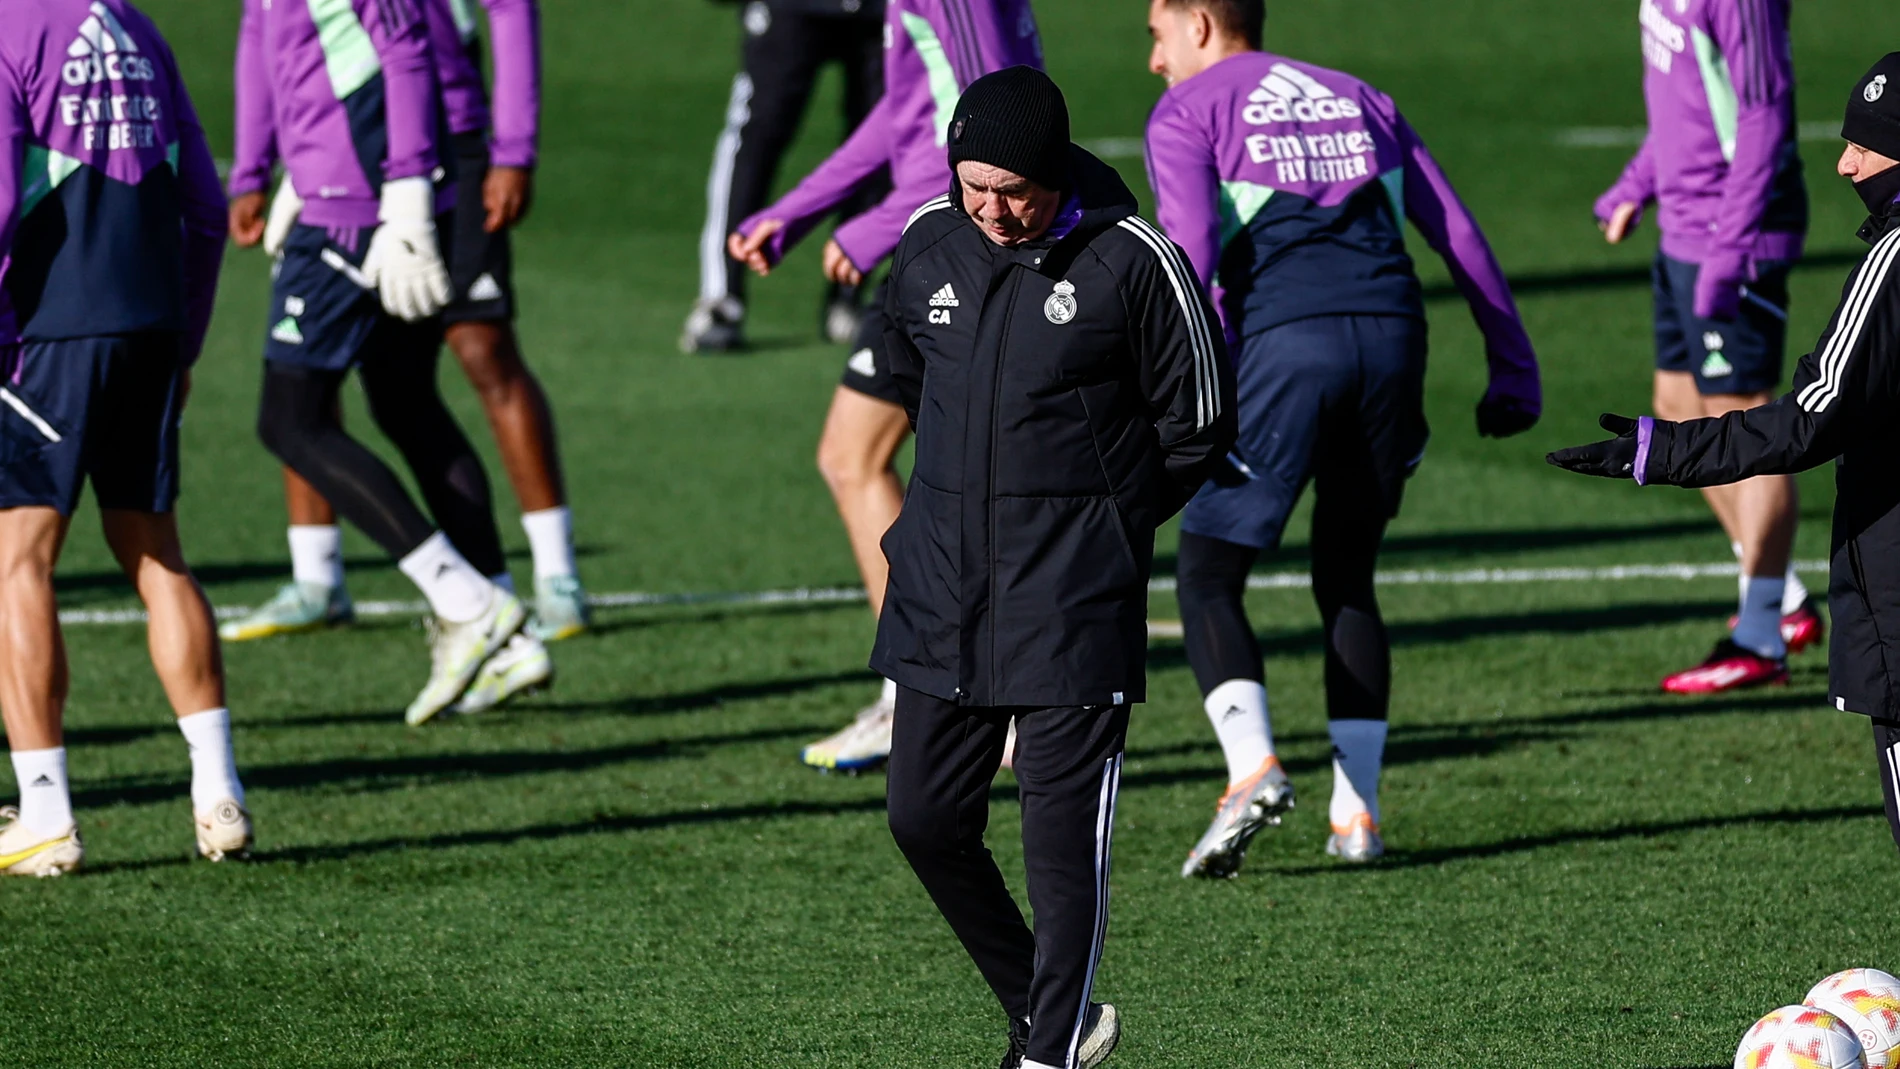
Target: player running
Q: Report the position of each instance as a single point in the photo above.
(1722, 167)
(1288, 185)
(490, 201)
(111, 235)
(787, 44)
(934, 49)
(1843, 405)
(346, 93)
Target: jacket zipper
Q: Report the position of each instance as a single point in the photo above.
(996, 394)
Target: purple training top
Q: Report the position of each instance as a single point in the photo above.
(111, 220)
(1720, 160)
(1286, 183)
(932, 50)
(327, 84)
(515, 29)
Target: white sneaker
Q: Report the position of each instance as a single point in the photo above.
(456, 653)
(522, 665)
(1358, 842)
(28, 853)
(1248, 806)
(864, 743)
(1099, 1035)
(223, 831)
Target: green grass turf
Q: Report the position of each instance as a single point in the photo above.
(634, 870)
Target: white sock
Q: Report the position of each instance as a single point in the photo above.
(46, 802)
(889, 694)
(457, 592)
(1358, 756)
(316, 554)
(551, 538)
(504, 581)
(1758, 624)
(213, 766)
(1238, 711)
(1794, 593)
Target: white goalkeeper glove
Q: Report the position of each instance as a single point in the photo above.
(284, 209)
(403, 262)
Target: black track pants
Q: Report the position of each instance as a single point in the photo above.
(1068, 764)
(769, 97)
(1887, 749)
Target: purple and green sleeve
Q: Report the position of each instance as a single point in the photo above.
(1636, 185)
(1186, 182)
(14, 128)
(401, 39)
(1434, 208)
(863, 154)
(255, 139)
(514, 28)
(1753, 38)
(202, 203)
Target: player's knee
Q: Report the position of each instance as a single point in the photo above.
(1207, 573)
(488, 357)
(845, 464)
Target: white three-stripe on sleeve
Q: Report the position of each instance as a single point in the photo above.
(1174, 265)
(1850, 323)
(928, 206)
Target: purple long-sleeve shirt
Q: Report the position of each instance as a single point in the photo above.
(1720, 159)
(98, 138)
(932, 50)
(305, 72)
(512, 117)
(1286, 184)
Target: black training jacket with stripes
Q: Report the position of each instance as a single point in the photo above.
(1069, 396)
(1845, 407)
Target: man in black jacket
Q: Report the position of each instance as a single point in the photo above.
(1070, 391)
(1843, 407)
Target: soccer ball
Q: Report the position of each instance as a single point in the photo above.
(1867, 1001)
(1799, 1037)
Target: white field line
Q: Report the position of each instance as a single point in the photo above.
(1131, 148)
(837, 595)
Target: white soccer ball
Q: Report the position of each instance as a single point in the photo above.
(1799, 1037)
(1867, 1001)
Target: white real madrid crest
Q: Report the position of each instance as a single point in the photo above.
(1876, 88)
(1061, 307)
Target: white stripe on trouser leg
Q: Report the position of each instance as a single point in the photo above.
(1104, 845)
(1893, 771)
(712, 240)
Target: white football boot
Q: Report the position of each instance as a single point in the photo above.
(294, 609)
(223, 831)
(523, 665)
(1099, 1035)
(560, 608)
(1248, 806)
(28, 853)
(1357, 842)
(457, 651)
(864, 743)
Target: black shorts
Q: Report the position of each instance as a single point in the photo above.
(1312, 393)
(867, 370)
(324, 313)
(1738, 356)
(481, 265)
(104, 408)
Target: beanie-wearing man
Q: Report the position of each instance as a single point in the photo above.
(1070, 391)
(1845, 406)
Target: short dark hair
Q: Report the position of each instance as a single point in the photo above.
(1245, 19)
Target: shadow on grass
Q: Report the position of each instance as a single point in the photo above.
(1402, 859)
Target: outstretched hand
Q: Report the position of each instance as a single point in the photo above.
(1614, 459)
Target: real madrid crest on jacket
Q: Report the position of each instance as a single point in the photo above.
(1069, 396)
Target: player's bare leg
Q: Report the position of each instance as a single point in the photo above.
(856, 455)
(1760, 517)
(523, 424)
(41, 837)
(183, 641)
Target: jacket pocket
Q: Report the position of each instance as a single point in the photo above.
(922, 605)
(1071, 600)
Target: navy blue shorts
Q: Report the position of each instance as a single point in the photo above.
(868, 369)
(322, 313)
(103, 408)
(1742, 355)
(481, 265)
(1337, 397)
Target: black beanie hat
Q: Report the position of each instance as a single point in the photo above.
(1873, 111)
(1015, 119)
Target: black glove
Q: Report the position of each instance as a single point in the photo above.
(1614, 459)
(1231, 470)
(1501, 417)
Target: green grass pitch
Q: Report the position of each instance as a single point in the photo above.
(633, 870)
